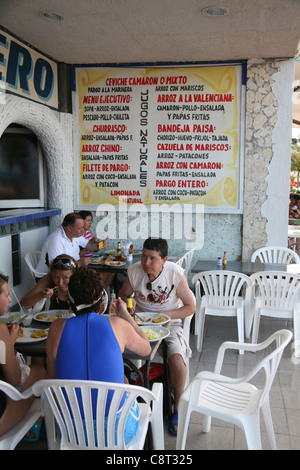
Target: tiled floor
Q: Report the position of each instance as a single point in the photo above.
(284, 399)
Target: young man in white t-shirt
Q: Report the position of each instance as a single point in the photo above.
(161, 286)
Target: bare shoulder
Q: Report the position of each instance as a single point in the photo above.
(57, 326)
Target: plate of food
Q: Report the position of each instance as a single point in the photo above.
(148, 318)
(136, 252)
(100, 259)
(31, 335)
(11, 317)
(48, 316)
(97, 260)
(155, 332)
(114, 263)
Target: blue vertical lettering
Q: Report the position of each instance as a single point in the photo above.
(43, 79)
(19, 67)
(2, 60)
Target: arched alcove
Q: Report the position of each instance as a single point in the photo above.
(54, 132)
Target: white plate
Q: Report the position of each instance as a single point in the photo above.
(149, 317)
(28, 338)
(136, 252)
(100, 259)
(160, 331)
(114, 263)
(97, 260)
(48, 316)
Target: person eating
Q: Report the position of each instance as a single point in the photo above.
(159, 286)
(14, 371)
(54, 285)
(89, 346)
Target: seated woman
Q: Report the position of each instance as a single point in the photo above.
(14, 371)
(89, 346)
(54, 285)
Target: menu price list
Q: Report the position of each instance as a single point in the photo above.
(172, 137)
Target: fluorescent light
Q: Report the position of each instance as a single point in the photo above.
(51, 15)
(215, 11)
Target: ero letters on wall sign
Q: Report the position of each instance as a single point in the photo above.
(26, 72)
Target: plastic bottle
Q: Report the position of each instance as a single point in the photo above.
(112, 309)
(224, 259)
(129, 256)
(219, 262)
(130, 307)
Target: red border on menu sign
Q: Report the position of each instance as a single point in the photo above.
(159, 135)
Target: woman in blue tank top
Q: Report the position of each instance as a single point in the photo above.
(90, 346)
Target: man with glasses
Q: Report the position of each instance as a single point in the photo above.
(67, 238)
(160, 286)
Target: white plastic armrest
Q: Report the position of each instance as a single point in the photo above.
(157, 390)
(231, 345)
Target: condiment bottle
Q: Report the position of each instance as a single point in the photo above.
(130, 307)
(112, 309)
(224, 259)
(129, 256)
(219, 262)
(118, 252)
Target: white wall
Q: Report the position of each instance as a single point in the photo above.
(29, 240)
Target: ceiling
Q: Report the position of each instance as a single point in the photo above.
(113, 31)
(141, 31)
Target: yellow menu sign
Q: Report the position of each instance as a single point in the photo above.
(159, 135)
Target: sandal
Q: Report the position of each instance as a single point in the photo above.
(36, 430)
(174, 420)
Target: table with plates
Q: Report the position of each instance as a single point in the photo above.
(107, 263)
(36, 347)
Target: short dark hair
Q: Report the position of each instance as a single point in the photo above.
(70, 219)
(3, 280)
(157, 244)
(85, 214)
(86, 287)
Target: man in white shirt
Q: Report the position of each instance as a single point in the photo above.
(66, 239)
(161, 286)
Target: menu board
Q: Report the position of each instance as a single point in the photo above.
(158, 135)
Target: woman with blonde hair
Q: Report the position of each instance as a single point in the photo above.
(14, 371)
(54, 285)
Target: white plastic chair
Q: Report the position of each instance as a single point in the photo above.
(234, 400)
(32, 259)
(276, 296)
(186, 261)
(186, 325)
(225, 296)
(10, 439)
(76, 436)
(275, 254)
